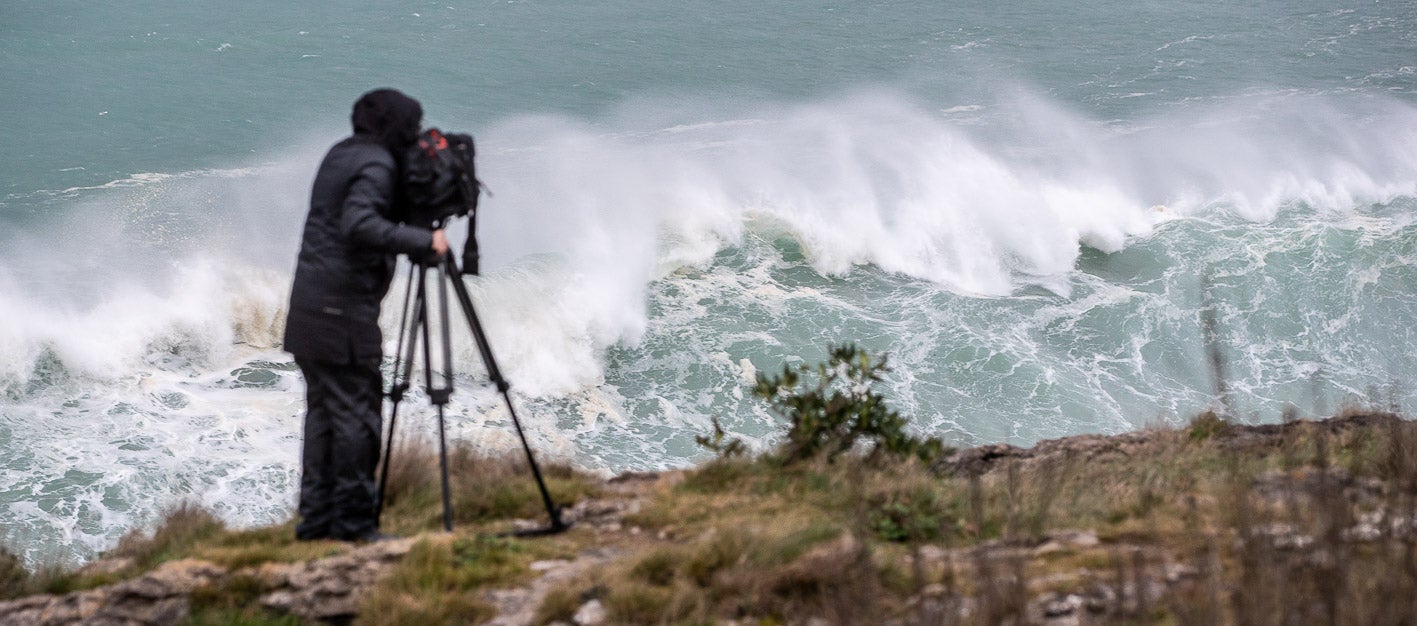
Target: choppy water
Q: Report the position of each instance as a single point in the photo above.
(1016, 203)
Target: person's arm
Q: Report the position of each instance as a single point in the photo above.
(362, 219)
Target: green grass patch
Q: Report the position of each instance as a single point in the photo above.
(438, 580)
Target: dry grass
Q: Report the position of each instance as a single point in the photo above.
(1302, 522)
(484, 489)
(1306, 522)
(13, 575)
(182, 528)
(437, 582)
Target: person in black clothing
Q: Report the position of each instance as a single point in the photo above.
(347, 255)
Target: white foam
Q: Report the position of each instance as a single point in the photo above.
(585, 216)
(147, 292)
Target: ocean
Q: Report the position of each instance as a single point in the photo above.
(1025, 206)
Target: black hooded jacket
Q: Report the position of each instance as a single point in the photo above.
(351, 240)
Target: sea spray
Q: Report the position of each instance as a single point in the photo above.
(1030, 271)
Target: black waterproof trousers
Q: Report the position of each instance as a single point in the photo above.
(343, 423)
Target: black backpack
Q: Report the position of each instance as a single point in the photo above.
(440, 183)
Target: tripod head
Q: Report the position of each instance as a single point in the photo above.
(470, 254)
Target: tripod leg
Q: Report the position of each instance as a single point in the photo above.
(495, 373)
(443, 466)
(403, 371)
(440, 396)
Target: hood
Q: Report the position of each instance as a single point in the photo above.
(390, 117)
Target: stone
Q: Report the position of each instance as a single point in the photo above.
(934, 590)
(279, 601)
(148, 587)
(1051, 546)
(933, 553)
(24, 611)
(187, 575)
(1080, 538)
(107, 566)
(590, 614)
(173, 610)
(1177, 572)
(271, 575)
(329, 588)
(1058, 606)
(1364, 533)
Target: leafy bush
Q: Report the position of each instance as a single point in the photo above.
(719, 444)
(840, 412)
(1206, 425)
(903, 518)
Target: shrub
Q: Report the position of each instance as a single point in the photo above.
(841, 411)
(719, 443)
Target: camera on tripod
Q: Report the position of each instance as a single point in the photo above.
(440, 183)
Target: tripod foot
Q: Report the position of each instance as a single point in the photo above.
(557, 526)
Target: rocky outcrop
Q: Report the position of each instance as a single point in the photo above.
(158, 597)
(1082, 448)
(321, 590)
(328, 589)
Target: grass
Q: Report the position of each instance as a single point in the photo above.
(484, 489)
(437, 583)
(13, 575)
(1259, 522)
(753, 539)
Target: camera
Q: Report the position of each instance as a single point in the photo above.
(440, 183)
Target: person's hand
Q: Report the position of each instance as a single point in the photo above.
(440, 243)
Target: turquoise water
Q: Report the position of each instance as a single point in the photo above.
(1017, 204)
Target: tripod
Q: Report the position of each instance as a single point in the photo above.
(413, 329)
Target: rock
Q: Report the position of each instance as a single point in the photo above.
(628, 477)
(158, 597)
(934, 590)
(103, 567)
(933, 553)
(171, 610)
(590, 614)
(1080, 538)
(330, 588)
(517, 607)
(1060, 605)
(187, 575)
(279, 601)
(271, 575)
(1177, 572)
(23, 611)
(1051, 546)
(1364, 532)
(145, 588)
